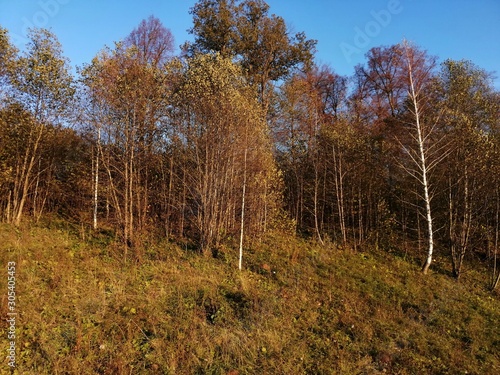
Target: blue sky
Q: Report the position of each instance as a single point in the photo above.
(345, 29)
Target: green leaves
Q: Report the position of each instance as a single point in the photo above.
(7, 53)
(43, 78)
(224, 146)
(245, 32)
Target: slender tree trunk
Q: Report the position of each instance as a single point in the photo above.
(35, 193)
(126, 208)
(424, 170)
(451, 232)
(96, 177)
(8, 206)
(265, 207)
(169, 198)
(243, 196)
(131, 198)
(22, 188)
(428, 213)
(316, 224)
(496, 276)
(40, 196)
(361, 232)
(339, 188)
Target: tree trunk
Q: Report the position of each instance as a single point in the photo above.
(339, 189)
(22, 187)
(316, 223)
(96, 177)
(496, 276)
(242, 226)
(423, 168)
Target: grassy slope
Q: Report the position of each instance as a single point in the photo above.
(324, 311)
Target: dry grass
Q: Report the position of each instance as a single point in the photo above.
(83, 310)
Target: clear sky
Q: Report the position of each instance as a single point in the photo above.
(345, 29)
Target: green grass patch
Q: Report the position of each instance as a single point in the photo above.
(297, 308)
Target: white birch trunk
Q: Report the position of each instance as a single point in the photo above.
(242, 224)
(96, 177)
(423, 169)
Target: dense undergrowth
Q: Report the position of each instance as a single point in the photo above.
(297, 308)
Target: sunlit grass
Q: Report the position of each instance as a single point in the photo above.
(313, 310)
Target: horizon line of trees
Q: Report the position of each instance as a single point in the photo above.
(243, 133)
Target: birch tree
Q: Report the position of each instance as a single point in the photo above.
(44, 87)
(129, 97)
(227, 154)
(470, 114)
(375, 105)
(422, 155)
(7, 60)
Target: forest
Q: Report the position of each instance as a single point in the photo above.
(242, 142)
(243, 133)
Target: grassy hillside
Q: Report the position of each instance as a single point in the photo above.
(297, 308)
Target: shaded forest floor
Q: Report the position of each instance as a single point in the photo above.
(297, 308)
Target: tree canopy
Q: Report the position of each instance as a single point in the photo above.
(247, 33)
(243, 133)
